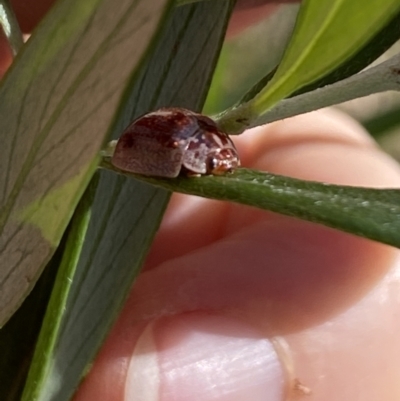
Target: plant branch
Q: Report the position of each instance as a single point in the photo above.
(367, 212)
(383, 77)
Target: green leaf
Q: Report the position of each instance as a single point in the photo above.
(10, 26)
(60, 293)
(125, 214)
(57, 102)
(381, 42)
(248, 56)
(370, 213)
(327, 33)
(18, 336)
(388, 35)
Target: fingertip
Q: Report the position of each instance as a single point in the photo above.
(356, 354)
(329, 126)
(189, 356)
(243, 17)
(205, 357)
(325, 146)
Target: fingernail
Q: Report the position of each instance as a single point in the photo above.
(200, 357)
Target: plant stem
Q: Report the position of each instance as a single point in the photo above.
(383, 77)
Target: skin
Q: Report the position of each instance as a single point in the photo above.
(247, 275)
(235, 303)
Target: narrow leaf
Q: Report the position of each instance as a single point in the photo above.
(377, 45)
(327, 33)
(383, 77)
(10, 26)
(248, 56)
(57, 102)
(125, 214)
(53, 319)
(19, 335)
(370, 213)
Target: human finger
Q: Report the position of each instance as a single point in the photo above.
(266, 275)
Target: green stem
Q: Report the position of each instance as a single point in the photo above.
(367, 212)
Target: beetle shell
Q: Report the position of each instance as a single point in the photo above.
(171, 141)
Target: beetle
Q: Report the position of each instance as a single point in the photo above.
(172, 141)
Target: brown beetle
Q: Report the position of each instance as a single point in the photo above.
(170, 141)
